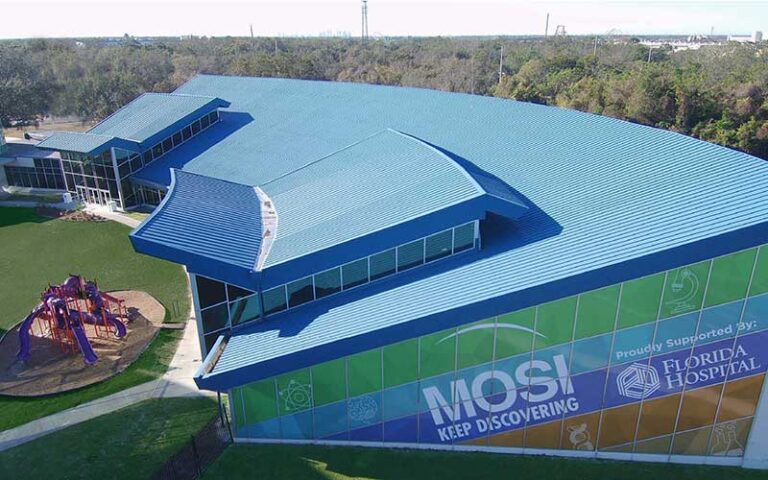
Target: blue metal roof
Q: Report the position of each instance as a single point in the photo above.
(208, 224)
(148, 119)
(151, 114)
(385, 190)
(85, 143)
(609, 200)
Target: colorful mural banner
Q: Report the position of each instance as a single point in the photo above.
(493, 401)
(672, 362)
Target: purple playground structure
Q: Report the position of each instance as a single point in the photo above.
(60, 317)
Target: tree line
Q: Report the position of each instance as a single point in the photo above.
(716, 93)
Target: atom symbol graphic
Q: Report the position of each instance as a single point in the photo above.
(297, 396)
(362, 409)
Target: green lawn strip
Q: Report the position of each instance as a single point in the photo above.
(23, 197)
(130, 443)
(150, 365)
(137, 215)
(37, 251)
(341, 463)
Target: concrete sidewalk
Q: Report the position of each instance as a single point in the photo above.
(177, 382)
(114, 216)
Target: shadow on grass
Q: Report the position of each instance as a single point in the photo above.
(311, 462)
(16, 215)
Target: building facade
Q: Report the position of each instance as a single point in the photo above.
(667, 364)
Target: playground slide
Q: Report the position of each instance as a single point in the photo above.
(24, 340)
(120, 329)
(89, 356)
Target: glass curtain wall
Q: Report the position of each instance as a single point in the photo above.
(670, 363)
(46, 173)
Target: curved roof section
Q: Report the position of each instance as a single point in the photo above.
(382, 181)
(208, 224)
(138, 125)
(621, 194)
(378, 193)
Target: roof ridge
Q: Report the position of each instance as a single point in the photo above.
(453, 162)
(325, 157)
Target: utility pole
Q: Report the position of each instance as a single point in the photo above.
(594, 51)
(365, 20)
(546, 26)
(501, 63)
(650, 51)
(251, 31)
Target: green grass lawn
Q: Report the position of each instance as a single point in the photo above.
(140, 216)
(149, 366)
(131, 443)
(36, 250)
(23, 197)
(337, 463)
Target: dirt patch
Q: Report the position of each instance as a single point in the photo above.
(52, 370)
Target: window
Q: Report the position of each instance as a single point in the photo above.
(328, 282)
(186, 133)
(464, 237)
(215, 318)
(177, 139)
(157, 150)
(148, 157)
(213, 116)
(167, 144)
(355, 273)
(209, 292)
(245, 309)
(205, 121)
(410, 255)
(195, 127)
(382, 264)
(300, 292)
(234, 292)
(438, 245)
(274, 300)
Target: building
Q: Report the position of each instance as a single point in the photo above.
(24, 166)
(100, 165)
(391, 266)
(756, 37)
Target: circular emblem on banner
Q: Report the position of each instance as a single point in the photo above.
(362, 409)
(638, 381)
(297, 396)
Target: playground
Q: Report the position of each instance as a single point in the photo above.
(38, 251)
(61, 347)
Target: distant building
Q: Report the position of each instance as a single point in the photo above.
(756, 37)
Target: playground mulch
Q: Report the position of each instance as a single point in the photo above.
(51, 369)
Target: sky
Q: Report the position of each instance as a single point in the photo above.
(92, 18)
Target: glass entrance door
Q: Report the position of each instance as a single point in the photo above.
(94, 196)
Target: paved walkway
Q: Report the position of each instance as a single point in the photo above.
(177, 382)
(114, 216)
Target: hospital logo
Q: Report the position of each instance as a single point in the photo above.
(638, 381)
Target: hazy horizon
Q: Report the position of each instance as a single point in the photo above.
(390, 18)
